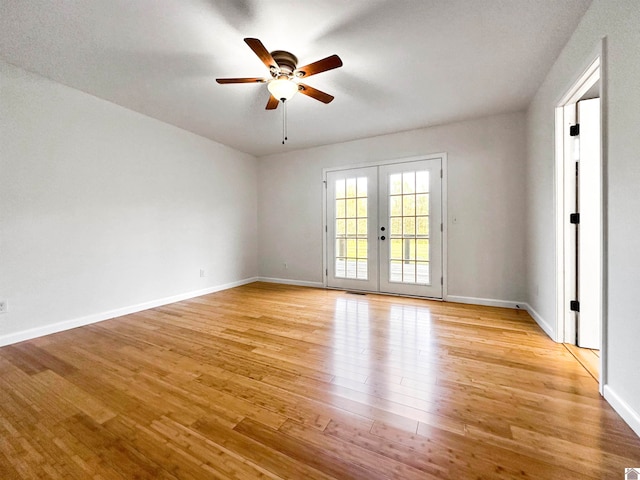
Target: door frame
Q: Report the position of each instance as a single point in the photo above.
(434, 156)
(565, 331)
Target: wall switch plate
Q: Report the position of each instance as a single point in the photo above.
(3, 306)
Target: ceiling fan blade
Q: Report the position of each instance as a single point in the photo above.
(262, 53)
(315, 93)
(273, 102)
(240, 80)
(320, 66)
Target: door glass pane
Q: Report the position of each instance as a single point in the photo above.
(409, 224)
(395, 205)
(351, 226)
(409, 272)
(422, 226)
(352, 244)
(422, 250)
(351, 268)
(362, 269)
(395, 184)
(362, 187)
(408, 182)
(351, 248)
(396, 249)
(362, 227)
(340, 268)
(396, 226)
(351, 187)
(422, 182)
(351, 208)
(422, 204)
(409, 249)
(362, 248)
(395, 271)
(408, 205)
(362, 207)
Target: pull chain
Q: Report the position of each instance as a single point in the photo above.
(284, 121)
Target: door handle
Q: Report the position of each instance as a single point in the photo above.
(383, 237)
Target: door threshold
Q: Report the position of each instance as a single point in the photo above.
(588, 358)
(367, 292)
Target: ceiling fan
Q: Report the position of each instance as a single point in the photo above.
(285, 74)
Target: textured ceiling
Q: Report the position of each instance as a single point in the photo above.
(407, 63)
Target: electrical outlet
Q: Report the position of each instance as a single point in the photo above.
(3, 306)
(203, 273)
(286, 266)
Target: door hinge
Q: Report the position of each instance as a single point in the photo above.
(574, 218)
(441, 228)
(440, 173)
(326, 272)
(441, 280)
(574, 306)
(325, 183)
(574, 130)
(326, 228)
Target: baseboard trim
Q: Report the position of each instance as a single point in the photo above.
(627, 413)
(544, 325)
(31, 333)
(488, 302)
(287, 281)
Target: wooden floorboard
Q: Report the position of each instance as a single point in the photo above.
(273, 381)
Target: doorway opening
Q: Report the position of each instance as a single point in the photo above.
(580, 220)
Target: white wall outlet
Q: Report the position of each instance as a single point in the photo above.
(203, 273)
(3, 306)
(286, 266)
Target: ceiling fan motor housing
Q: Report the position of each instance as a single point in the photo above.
(286, 61)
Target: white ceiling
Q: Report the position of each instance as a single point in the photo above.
(407, 63)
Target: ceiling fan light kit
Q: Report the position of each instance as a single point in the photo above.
(282, 88)
(283, 83)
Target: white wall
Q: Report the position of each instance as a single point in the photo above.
(618, 20)
(486, 183)
(103, 209)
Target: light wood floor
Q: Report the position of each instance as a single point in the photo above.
(269, 381)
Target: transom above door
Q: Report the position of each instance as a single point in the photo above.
(384, 228)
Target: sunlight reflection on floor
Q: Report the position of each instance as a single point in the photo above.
(376, 364)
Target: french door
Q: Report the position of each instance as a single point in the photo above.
(384, 228)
